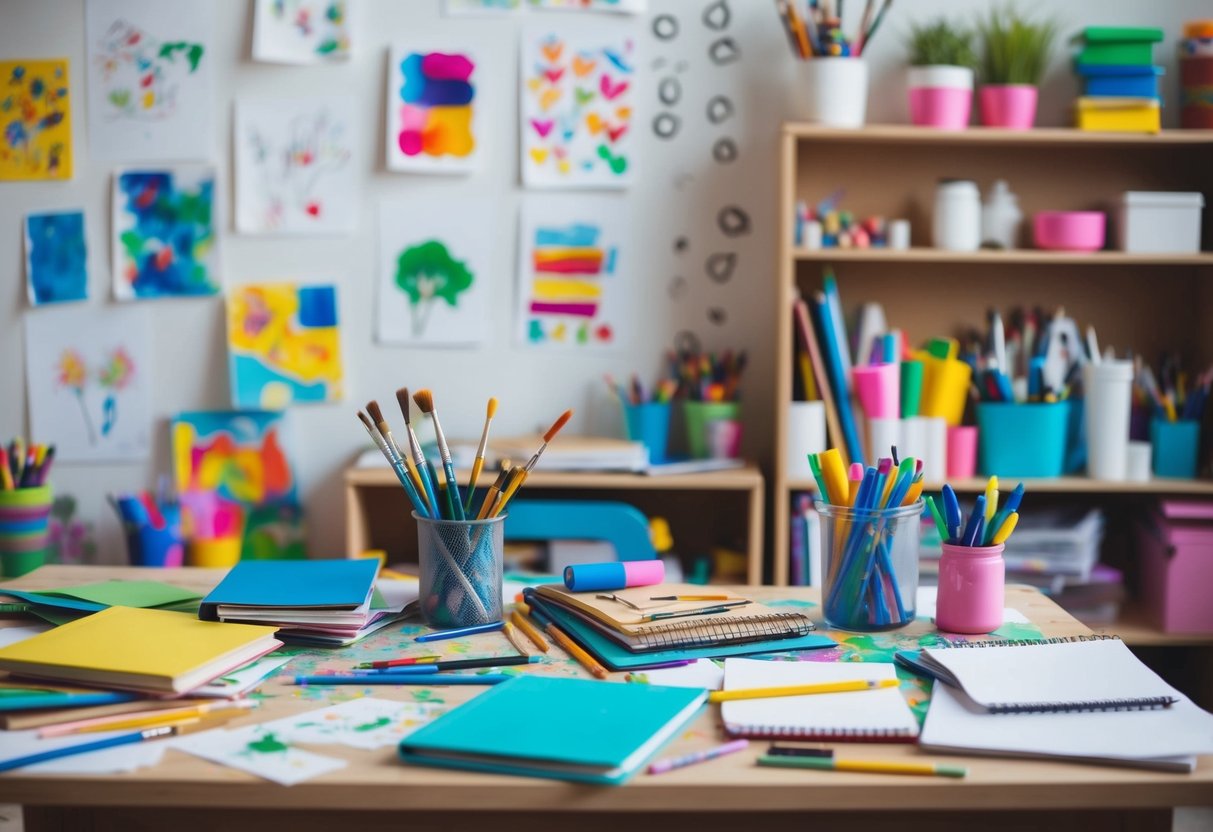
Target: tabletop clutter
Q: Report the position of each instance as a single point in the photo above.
(113, 666)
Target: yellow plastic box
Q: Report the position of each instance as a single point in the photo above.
(1118, 115)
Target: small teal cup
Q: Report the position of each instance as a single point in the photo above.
(649, 423)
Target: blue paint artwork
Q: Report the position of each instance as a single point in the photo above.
(56, 257)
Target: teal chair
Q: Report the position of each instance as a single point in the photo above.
(620, 524)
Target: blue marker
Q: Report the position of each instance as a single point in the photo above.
(972, 535)
(951, 513)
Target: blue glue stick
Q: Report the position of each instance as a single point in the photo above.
(592, 577)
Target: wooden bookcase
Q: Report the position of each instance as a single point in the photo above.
(704, 509)
(1138, 301)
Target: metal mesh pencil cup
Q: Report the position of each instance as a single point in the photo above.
(460, 564)
(871, 566)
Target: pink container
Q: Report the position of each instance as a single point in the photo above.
(1012, 106)
(972, 583)
(962, 452)
(878, 388)
(1175, 549)
(941, 107)
(1069, 230)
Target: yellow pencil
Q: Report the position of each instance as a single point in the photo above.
(181, 718)
(524, 624)
(799, 690)
(573, 649)
(1004, 531)
(511, 635)
(866, 766)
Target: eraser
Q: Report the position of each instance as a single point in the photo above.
(592, 577)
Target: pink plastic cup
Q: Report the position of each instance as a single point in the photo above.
(972, 589)
(962, 452)
(878, 387)
(1012, 106)
(1069, 230)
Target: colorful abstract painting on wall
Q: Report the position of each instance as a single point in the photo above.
(36, 120)
(572, 292)
(434, 258)
(150, 91)
(164, 233)
(56, 257)
(235, 464)
(292, 168)
(88, 377)
(284, 345)
(301, 31)
(431, 111)
(577, 101)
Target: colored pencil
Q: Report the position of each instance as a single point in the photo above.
(95, 745)
(441, 635)
(524, 624)
(407, 679)
(671, 763)
(425, 400)
(119, 721)
(511, 634)
(569, 646)
(865, 766)
(452, 664)
(690, 597)
(799, 690)
(478, 464)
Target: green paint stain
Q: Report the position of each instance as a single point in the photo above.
(269, 744)
(373, 724)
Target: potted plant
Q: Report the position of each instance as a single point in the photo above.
(1015, 51)
(942, 61)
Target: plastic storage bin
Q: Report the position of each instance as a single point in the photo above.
(1022, 440)
(1175, 545)
(1161, 222)
(1176, 446)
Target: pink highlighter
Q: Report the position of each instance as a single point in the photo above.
(595, 577)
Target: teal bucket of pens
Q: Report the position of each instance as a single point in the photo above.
(870, 566)
(460, 562)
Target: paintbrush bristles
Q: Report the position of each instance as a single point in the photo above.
(557, 425)
(402, 397)
(424, 399)
(369, 426)
(492, 408)
(372, 407)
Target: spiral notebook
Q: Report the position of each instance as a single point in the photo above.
(879, 715)
(625, 617)
(1082, 673)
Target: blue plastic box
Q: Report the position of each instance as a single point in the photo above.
(1176, 446)
(1022, 440)
(1107, 81)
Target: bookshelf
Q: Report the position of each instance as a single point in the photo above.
(1141, 301)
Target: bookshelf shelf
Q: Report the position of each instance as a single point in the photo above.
(1061, 485)
(985, 257)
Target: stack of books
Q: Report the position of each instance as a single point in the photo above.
(321, 602)
(1120, 80)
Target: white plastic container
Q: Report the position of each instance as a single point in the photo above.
(1141, 455)
(1107, 392)
(806, 435)
(1160, 222)
(1000, 217)
(835, 91)
(957, 216)
(899, 234)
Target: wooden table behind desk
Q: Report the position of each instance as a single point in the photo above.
(702, 797)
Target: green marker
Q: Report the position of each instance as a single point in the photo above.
(911, 388)
(939, 521)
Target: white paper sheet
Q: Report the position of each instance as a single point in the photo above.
(702, 673)
(302, 31)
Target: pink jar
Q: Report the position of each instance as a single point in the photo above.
(972, 580)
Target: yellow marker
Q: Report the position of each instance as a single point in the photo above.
(1008, 526)
(914, 493)
(799, 690)
(834, 472)
(991, 499)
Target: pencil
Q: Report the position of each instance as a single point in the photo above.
(403, 665)
(866, 766)
(511, 634)
(94, 745)
(690, 597)
(799, 690)
(478, 464)
(527, 627)
(114, 721)
(197, 716)
(410, 679)
(671, 763)
(571, 647)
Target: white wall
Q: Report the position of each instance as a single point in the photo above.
(677, 192)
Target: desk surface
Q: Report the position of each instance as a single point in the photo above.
(376, 780)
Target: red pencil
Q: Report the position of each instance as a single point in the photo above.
(402, 662)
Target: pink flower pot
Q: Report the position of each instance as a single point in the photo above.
(1012, 106)
(941, 96)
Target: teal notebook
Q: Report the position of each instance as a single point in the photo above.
(615, 656)
(593, 732)
(314, 584)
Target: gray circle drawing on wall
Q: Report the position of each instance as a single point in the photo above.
(717, 15)
(669, 91)
(721, 265)
(665, 125)
(733, 221)
(724, 51)
(665, 27)
(724, 150)
(717, 315)
(720, 109)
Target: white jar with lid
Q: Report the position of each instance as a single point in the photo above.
(957, 222)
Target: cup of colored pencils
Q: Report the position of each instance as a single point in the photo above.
(869, 535)
(460, 543)
(25, 506)
(646, 413)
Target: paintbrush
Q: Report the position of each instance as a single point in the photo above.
(479, 463)
(517, 482)
(416, 465)
(425, 401)
(401, 474)
(490, 496)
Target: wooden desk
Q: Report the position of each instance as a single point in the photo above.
(377, 792)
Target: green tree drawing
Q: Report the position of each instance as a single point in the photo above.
(426, 273)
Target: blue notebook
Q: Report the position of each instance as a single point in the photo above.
(593, 732)
(615, 656)
(313, 584)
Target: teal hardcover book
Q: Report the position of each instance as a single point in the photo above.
(315, 584)
(615, 656)
(598, 732)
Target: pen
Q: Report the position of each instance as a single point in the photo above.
(799, 690)
(798, 751)
(439, 635)
(713, 610)
(690, 597)
(866, 766)
(671, 763)
(406, 679)
(406, 666)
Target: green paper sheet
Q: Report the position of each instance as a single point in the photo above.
(126, 593)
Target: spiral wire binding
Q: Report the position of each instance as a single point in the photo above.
(1023, 642)
(731, 631)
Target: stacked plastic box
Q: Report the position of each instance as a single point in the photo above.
(1120, 80)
